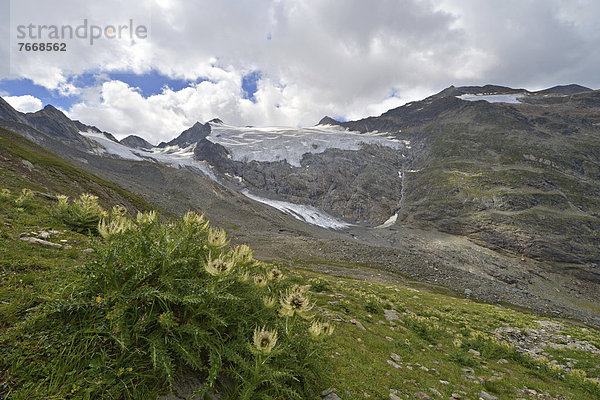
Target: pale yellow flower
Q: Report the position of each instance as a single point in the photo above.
(219, 266)
(119, 211)
(146, 218)
(315, 329)
(5, 194)
(274, 274)
(25, 196)
(265, 340)
(269, 301)
(116, 226)
(217, 237)
(192, 219)
(260, 281)
(244, 277)
(295, 301)
(243, 253)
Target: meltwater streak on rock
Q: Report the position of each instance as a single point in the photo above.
(392, 220)
(402, 190)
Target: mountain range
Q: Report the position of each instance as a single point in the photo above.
(488, 191)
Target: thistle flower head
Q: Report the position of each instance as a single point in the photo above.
(5, 194)
(260, 281)
(192, 219)
(328, 328)
(315, 329)
(274, 274)
(318, 328)
(25, 196)
(243, 253)
(63, 202)
(115, 227)
(269, 301)
(217, 237)
(219, 266)
(265, 340)
(118, 211)
(146, 218)
(295, 301)
(244, 277)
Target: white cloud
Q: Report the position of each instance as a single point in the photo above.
(25, 103)
(337, 57)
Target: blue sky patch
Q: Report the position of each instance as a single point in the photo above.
(22, 87)
(249, 85)
(149, 84)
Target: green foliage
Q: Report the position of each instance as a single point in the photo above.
(5, 195)
(319, 285)
(25, 199)
(162, 301)
(82, 215)
(462, 357)
(373, 305)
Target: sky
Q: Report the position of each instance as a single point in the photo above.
(284, 63)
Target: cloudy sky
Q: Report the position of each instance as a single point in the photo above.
(286, 62)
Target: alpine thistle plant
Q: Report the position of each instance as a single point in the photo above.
(265, 340)
(315, 329)
(114, 227)
(25, 196)
(318, 328)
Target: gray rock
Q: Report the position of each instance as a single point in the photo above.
(358, 323)
(486, 396)
(391, 315)
(330, 395)
(396, 357)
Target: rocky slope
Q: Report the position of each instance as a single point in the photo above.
(522, 177)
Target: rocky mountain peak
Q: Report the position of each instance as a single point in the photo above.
(327, 120)
(190, 136)
(8, 113)
(136, 142)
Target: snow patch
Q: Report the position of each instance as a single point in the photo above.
(390, 221)
(173, 156)
(493, 98)
(309, 214)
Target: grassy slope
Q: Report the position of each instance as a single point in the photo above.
(357, 358)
